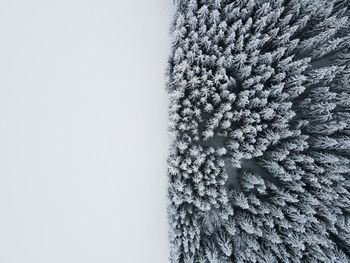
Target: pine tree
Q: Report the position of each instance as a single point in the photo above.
(259, 114)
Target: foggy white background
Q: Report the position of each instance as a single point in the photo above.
(83, 137)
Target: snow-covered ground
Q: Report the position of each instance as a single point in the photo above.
(83, 136)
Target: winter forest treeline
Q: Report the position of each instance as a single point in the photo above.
(260, 119)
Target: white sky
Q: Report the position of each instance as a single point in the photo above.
(83, 136)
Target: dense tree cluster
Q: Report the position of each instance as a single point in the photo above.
(259, 167)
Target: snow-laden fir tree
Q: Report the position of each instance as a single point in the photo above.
(259, 112)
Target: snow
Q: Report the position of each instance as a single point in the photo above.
(83, 137)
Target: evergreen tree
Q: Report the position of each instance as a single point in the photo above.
(259, 113)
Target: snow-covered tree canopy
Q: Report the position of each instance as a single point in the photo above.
(259, 112)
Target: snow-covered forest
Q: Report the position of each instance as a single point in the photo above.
(259, 115)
